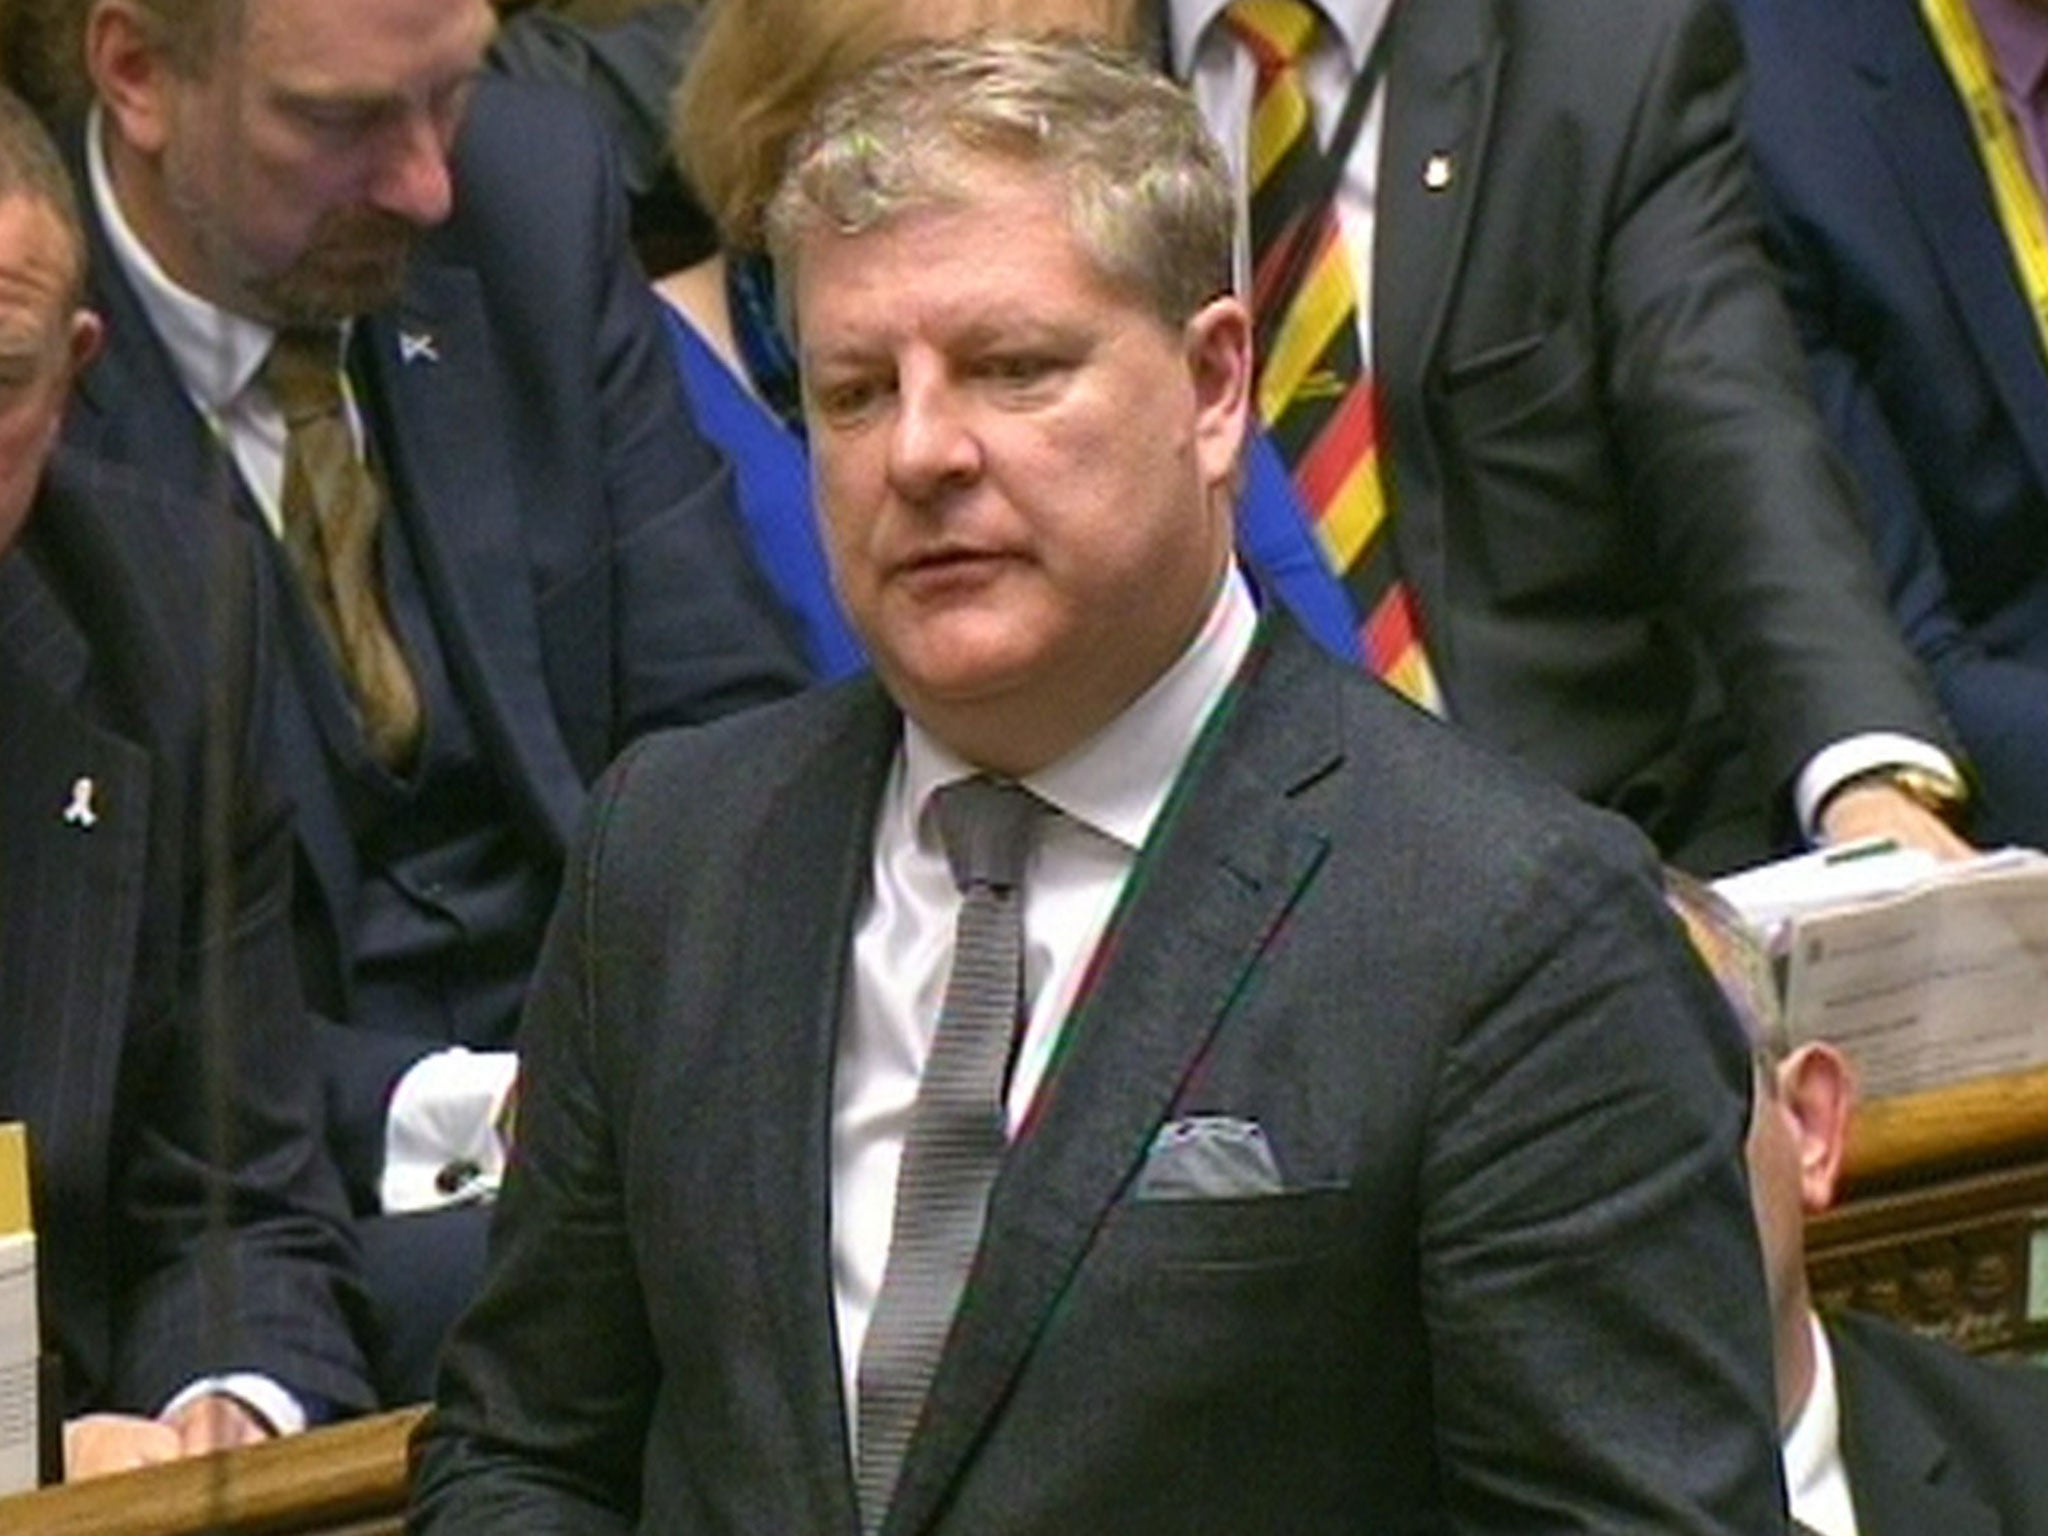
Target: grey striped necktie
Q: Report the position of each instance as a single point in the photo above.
(956, 1138)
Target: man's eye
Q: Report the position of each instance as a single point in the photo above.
(848, 399)
(1017, 368)
(336, 120)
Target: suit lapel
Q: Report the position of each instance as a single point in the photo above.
(1228, 859)
(808, 874)
(1443, 77)
(66, 936)
(132, 408)
(1898, 1460)
(1915, 117)
(434, 382)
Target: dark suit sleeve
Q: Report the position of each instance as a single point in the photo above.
(1999, 704)
(1592, 1292)
(546, 1387)
(1886, 343)
(628, 69)
(224, 1116)
(360, 1070)
(660, 617)
(1753, 514)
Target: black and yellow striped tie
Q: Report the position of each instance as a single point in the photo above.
(1314, 395)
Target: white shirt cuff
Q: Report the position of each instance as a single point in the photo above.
(1833, 766)
(259, 1394)
(441, 1142)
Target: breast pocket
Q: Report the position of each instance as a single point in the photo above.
(1528, 469)
(1170, 1240)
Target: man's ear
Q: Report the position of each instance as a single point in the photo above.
(1218, 342)
(1818, 1088)
(130, 77)
(88, 331)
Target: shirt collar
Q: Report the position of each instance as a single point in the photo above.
(1118, 780)
(216, 353)
(2016, 34)
(1358, 22)
(1816, 1481)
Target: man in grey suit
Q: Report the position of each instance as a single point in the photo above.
(1318, 1125)
(152, 1034)
(1885, 1433)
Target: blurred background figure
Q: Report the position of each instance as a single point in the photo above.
(1884, 1433)
(1526, 362)
(152, 1035)
(1903, 150)
(381, 306)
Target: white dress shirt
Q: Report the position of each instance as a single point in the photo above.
(1816, 1479)
(1105, 797)
(1222, 74)
(445, 1111)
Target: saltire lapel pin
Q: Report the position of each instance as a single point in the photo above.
(418, 347)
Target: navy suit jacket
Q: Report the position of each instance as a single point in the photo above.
(1935, 1441)
(1510, 1284)
(581, 560)
(1926, 360)
(130, 654)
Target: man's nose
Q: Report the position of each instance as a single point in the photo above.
(932, 443)
(415, 182)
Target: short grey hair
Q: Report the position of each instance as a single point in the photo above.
(1149, 194)
(32, 169)
(1735, 955)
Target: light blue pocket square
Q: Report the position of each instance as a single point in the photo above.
(1208, 1157)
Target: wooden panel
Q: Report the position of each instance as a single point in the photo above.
(1964, 1257)
(348, 1480)
(1988, 1121)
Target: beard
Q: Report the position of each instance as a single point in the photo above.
(353, 262)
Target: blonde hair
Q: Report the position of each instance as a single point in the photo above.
(1149, 195)
(761, 66)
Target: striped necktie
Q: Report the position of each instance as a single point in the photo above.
(956, 1139)
(1315, 397)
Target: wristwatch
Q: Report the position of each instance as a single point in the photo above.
(1937, 793)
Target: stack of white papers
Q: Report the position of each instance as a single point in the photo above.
(1924, 973)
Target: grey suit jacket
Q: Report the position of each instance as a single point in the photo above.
(1935, 1441)
(1510, 1281)
(132, 662)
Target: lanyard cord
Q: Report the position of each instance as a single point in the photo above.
(2018, 200)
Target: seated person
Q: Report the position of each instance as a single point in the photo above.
(1114, 1068)
(1907, 215)
(383, 308)
(146, 976)
(1885, 1433)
